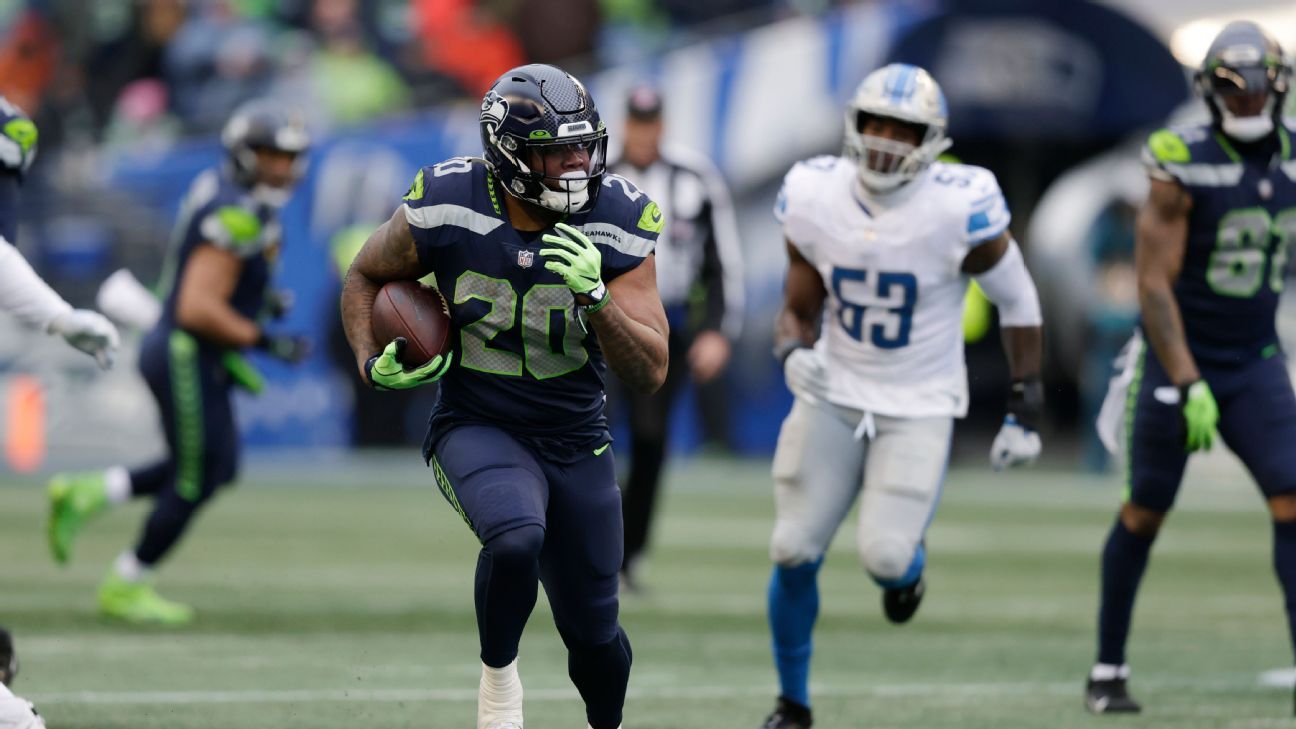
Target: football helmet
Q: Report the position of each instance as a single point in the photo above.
(1244, 80)
(538, 110)
(905, 93)
(262, 124)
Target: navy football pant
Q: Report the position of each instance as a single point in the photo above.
(192, 391)
(1257, 422)
(551, 522)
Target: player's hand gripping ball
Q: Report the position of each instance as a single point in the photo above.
(414, 320)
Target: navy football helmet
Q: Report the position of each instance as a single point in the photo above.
(532, 113)
(1244, 80)
(263, 124)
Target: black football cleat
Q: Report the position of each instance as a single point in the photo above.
(901, 603)
(8, 659)
(1110, 696)
(788, 714)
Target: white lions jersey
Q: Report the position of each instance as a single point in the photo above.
(892, 332)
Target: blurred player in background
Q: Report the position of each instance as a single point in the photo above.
(216, 293)
(33, 302)
(698, 257)
(23, 293)
(882, 243)
(546, 262)
(1211, 253)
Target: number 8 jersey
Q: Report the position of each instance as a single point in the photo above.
(1243, 219)
(892, 331)
(524, 360)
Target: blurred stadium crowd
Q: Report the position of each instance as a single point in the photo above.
(145, 72)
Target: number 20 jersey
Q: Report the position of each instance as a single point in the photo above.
(892, 332)
(1240, 226)
(524, 360)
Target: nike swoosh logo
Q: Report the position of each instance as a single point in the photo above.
(599, 451)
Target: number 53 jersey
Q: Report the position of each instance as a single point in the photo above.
(1240, 226)
(892, 332)
(525, 361)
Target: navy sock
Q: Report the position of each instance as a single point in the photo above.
(601, 673)
(151, 479)
(1123, 561)
(793, 608)
(1284, 555)
(165, 525)
(508, 574)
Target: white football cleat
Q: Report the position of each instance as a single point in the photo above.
(499, 698)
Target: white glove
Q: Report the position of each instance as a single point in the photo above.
(89, 332)
(806, 375)
(1014, 445)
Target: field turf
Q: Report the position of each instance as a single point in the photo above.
(339, 595)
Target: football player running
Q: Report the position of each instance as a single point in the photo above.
(1211, 253)
(217, 302)
(546, 263)
(882, 242)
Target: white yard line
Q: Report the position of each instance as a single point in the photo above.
(935, 689)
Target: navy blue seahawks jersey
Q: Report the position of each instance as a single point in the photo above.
(1242, 222)
(17, 151)
(217, 211)
(525, 360)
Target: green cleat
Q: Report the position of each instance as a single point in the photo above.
(73, 500)
(138, 603)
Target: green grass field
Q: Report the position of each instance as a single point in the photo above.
(346, 601)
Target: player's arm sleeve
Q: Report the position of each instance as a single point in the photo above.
(233, 228)
(988, 216)
(1165, 155)
(722, 273)
(1012, 290)
(17, 145)
(625, 246)
(24, 294)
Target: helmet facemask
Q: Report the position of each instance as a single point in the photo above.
(562, 175)
(886, 164)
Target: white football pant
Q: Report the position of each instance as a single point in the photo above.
(826, 454)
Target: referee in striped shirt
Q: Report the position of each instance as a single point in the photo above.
(699, 277)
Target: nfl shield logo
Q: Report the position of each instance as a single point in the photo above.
(526, 258)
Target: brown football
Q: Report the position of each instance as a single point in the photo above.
(414, 311)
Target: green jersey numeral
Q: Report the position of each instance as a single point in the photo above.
(544, 307)
(1245, 239)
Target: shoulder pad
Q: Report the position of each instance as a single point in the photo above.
(801, 183)
(1165, 145)
(454, 192)
(17, 144)
(979, 199)
(624, 218)
(232, 227)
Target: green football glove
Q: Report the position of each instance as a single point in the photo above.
(386, 372)
(576, 259)
(1200, 415)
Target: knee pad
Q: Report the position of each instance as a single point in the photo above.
(791, 547)
(520, 546)
(888, 558)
